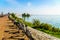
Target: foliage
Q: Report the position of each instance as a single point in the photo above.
(55, 29)
(36, 23)
(28, 15)
(24, 16)
(13, 15)
(28, 24)
(46, 26)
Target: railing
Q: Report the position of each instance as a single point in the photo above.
(21, 26)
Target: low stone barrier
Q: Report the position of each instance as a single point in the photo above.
(38, 35)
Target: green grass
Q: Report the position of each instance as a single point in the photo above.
(28, 23)
(55, 34)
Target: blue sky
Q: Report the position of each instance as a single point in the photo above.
(39, 7)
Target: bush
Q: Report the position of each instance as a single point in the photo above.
(46, 26)
(55, 29)
(36, 23)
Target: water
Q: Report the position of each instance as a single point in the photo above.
(50, 19)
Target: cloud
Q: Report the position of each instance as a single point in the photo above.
(46, 10)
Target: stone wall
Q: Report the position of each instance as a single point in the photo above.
(38, 35)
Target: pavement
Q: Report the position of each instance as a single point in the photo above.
(9, 31)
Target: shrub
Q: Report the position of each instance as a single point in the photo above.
(46, 26)
(36, 23)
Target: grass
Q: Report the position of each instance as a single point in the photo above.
(56, 34)
(28, 23)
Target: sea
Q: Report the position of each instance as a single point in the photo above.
(54, 20)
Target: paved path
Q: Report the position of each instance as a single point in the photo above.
(9, 31)
(3, 22)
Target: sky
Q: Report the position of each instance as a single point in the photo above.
(34, 7)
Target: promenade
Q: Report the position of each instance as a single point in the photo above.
(9, 31)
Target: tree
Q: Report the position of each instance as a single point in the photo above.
(36, 23)
(13, 15)
(24, 16)
(28, 15)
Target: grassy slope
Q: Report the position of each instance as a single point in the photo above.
(56, 34)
